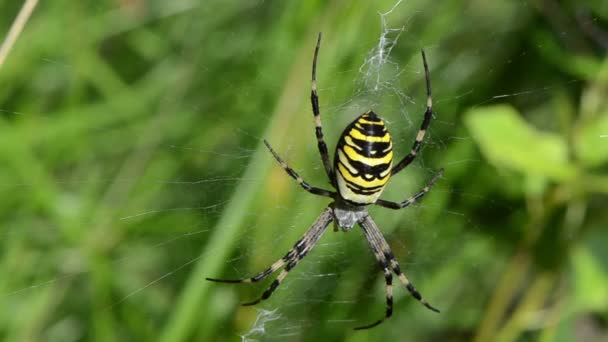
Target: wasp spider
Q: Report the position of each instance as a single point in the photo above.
(363, 164)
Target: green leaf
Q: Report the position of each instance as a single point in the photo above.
(507, 141)
(591, 141)
(591, 281)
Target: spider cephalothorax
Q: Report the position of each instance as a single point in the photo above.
(363, 164)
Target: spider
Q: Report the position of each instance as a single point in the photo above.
(362, 167)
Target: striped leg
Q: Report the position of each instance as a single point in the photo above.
(411, 200)
(314, 100)
(381, 248)
(262, 275)
(294, 175)
(408, 285)
(302, 248)
(428, 115)
(388, 277)
(275, 283)
(310, 237)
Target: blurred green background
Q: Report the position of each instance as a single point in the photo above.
(131, 168)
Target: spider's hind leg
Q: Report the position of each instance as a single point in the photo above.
(275, 283)
(262, 275)
(388, 277)
(291, 259)
(302, 247)
(384, 255)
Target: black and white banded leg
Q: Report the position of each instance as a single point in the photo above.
(294, 175)
(428, 115)
(270, 270)
(290, 260)
(314, 100)
(385, 256)
(388, 278)
(417, 196)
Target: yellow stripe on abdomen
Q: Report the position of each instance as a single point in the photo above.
(355, 133)
(370, 161)
(360, 181)
(363, 160)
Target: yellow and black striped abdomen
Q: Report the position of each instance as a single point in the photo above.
(363, 159)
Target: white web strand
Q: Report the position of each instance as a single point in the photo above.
(258, 328)
(379, 76)
(379, 56)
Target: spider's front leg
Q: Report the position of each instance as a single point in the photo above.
(314, 100)
(428, 115)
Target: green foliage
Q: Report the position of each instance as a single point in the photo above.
(586, 147)
(508, 141)
(132, 168)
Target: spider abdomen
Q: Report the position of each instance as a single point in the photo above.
(363, 159)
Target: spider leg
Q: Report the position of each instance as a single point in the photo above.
(388, 277)
(414, 198)
(302, 247)
(262, 275)
(410, 287)
(292, 254)
(314, 100)
(294, 175)
(275, 283)
(384, 255)
(428, 115)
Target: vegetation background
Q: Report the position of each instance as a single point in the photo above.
(132, 167)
